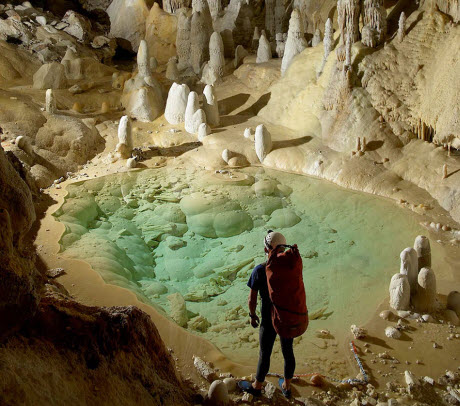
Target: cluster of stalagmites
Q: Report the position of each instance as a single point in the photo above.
(183, 106)
(414, 287)
(375, 23)
(142, 95)
(413, 290)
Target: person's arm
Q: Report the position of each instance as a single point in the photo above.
(252, 304)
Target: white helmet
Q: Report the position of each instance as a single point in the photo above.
(273, 239)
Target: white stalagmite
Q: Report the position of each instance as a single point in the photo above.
(226, 155)
(423, 249)
(248, 133)
(425, 299)
(183, 47)
(143, 59)
(316, 38)
(263, 142)
(210, 106)
(192, 106)
(125, 138)
(399, 292)
(295, 43)
(172, 73)
(50, 102)
(375, 23)
(348, 52)
(203, 131)
(409, 267)
(198, 118)
(402, 27)
(216, 53)
(176, 103)
(328, 38)
(264, 52)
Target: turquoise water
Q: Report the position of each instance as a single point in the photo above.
(187, 240)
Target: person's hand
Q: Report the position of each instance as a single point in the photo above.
(255, 321)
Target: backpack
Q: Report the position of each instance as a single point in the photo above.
(287, 292)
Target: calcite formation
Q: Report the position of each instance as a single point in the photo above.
(375, 23)
(194, 116)
(50, 76)
(409, 267)
(423, 249)
(316, 38)
(264, 51)
(199, 40)
(399, 292)
(214, 69)
(425, 299)
(210, 106)
(263, 142)
(295, 42)
(125, 138)
(183, 43)
(176, 103)
(172, 72)
(203, 131)
(143, 59)
(402, 27)
(348, 12)
(50, 104)
(270, 25)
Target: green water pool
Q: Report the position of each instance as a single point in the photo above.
(186, 241)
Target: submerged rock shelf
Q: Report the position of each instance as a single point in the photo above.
(186, 241)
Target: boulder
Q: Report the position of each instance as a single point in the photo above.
(50, 76)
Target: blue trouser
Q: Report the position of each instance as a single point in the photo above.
(267, 337)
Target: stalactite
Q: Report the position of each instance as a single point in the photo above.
(348, 12)
(375, 23)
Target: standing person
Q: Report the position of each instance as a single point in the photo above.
(282, 310)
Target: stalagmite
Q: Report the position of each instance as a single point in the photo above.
(240, 54)
(402, 27)
(248, 133)
(425, 299)
(125, 139)
(226, 155)
(295, 43)
(172, 73)
(264, 52)
(348, 12)
(444, 171)
(131, 163)
(210, 106)
(199, 41)
(229, 43)
(316, 38)
(214, 69)
(183, 45)
(358, 144)
(50, 102)
(105, 107)
(153, 64)
(24, 144)
(143, 59)
(176, 103)
(192, 106)
(203, 131)
(255, 38)
(399, 292)
(363, 145)
(216, 53)
(198, 118)
(263, 142)
(348, 53)
(409, 267)
(423, 249)
(215, 8)
(328, 38)
(453, 301)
